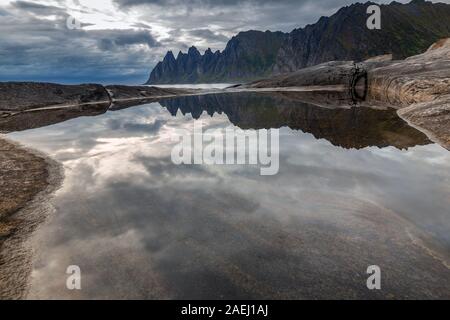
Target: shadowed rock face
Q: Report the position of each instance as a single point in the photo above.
(355, 127)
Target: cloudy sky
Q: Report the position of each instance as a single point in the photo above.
(119, 41)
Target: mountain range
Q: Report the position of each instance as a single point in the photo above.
(406, 30)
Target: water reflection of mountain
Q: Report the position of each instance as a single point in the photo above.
(341, 124)
(327, 115)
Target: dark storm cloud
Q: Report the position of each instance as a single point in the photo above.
(119, 38)
(207, 34)
(228, 17)
(129, 3)
(36, 47)
(32, 6)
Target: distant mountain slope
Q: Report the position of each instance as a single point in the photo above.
(406, 29)
(248, 55)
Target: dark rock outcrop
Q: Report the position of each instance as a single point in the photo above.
(334, 73)
(420, 78)
(31, 96)
(20, 96)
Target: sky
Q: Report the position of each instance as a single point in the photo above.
(120, 41)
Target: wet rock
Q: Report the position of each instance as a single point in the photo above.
(27, 180)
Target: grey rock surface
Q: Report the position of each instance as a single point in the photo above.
(19, 96)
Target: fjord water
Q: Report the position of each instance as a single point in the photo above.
(356, 187)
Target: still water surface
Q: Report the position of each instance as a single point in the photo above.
(356, 187)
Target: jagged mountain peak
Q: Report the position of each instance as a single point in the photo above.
(169, 56)
(257, 48)
(407, 29)
(193, 51)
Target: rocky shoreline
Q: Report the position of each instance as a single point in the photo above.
(18, 97)
(28, 179)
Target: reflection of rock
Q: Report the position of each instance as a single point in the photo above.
(431, 117)
(121, 92)
(320, 98)
(41, 118)
(119, 105)
(325, 114)
(421, 83)
(355, 127)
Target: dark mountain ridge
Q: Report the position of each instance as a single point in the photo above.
(406, 30)
(248, 55)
